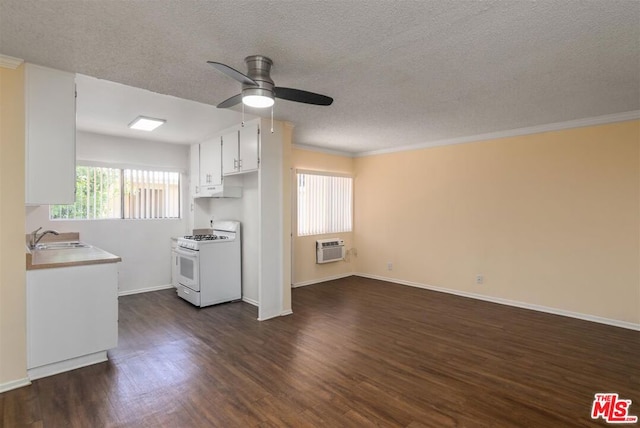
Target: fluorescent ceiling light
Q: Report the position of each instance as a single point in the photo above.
(146, 123)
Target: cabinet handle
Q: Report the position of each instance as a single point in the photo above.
(235, 163)
(239, 163)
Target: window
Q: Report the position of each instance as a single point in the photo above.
(151, 194)
(324, 203)
(104, 193)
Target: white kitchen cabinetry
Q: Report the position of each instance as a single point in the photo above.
(240, 149)
(194, 169)
(50, 134)
(174, 263)
(249, 146)
(230, 154)
(72, 317)
(210, 163)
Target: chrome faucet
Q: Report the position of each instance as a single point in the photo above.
(35, 238)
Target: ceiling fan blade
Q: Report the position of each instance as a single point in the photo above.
(230, 102)
(301, 96)
(233, 73)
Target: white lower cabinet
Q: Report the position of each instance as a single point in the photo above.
(72, 317)
(174, 263)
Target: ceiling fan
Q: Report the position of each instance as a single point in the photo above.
(258, 90)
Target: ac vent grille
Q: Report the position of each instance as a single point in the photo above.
(329, 250)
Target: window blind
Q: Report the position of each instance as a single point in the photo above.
(324, 203)
(151, 194)
(108, 193)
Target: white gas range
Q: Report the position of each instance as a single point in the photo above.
(209, 267)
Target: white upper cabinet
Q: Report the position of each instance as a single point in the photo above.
(194, 169)
(249, 144)
(210, 163)
(240, 149)
(50, 119)
(230, 156)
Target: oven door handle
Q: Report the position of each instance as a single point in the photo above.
(186, 253)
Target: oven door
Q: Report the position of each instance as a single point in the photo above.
(187, 269)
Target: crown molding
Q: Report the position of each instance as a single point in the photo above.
(10, 62)
(323, 150)
(558, 126)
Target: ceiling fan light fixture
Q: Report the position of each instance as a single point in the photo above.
(257, 97)
(259, 90)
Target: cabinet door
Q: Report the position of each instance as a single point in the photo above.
(50, 119)
(249, 145)
(194, 169)
(210, 163)
(71, 312)
(174, 267)
(230, 158)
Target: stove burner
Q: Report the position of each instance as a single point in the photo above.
(205, 237)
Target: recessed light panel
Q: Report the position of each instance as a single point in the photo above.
(146, 123)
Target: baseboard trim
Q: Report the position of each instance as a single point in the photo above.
(507, 302)
(319, 280)
(14, 384)
(250, 301)
(270, 317)
(145, 290)
(255, 303)
(67, 365)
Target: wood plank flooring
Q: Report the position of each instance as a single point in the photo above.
(356, 352)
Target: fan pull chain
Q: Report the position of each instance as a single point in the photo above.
(243, 115)
(272, 118)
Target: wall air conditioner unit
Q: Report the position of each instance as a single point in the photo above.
(329, 250)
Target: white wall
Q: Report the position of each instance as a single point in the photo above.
(129, 151)
(272, 223)
(144, 245)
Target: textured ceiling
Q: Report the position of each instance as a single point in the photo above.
(401, 73)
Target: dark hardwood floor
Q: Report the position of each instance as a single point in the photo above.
(356, 352)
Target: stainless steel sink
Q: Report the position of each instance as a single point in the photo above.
(61, 245)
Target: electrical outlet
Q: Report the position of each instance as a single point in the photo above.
(389, 266)
(479, 279)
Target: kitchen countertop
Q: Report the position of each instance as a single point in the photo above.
(47, 259)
